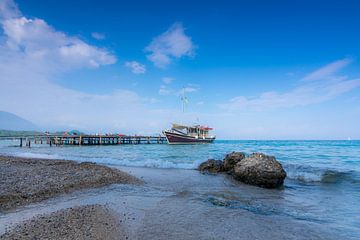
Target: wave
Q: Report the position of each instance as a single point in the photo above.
(298, 172)
(309, 174)
(37, 155)
(331, 176)
(147, 163)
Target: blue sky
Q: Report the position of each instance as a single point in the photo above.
(251, 69)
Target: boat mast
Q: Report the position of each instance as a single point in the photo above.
(184, 100)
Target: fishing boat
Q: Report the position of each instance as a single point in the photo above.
(181, 134)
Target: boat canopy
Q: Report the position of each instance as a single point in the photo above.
(178, 126)
(181, 127)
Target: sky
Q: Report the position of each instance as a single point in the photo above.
(249, 69)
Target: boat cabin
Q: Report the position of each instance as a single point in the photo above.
(193, 131)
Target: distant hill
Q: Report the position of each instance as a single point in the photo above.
(10, 121)
(12, 133)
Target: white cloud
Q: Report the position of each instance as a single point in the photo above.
(33, 54)
(167, 80)
(318, 86)
(189, 89)
(98, 36)
(172, 44)
(8, 9)
(35, 39)
(327, 71)
(164, 90)
(136, 67)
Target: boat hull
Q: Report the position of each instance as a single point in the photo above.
(175, 138)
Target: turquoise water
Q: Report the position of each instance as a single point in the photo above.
(322, 187)
(303, 160)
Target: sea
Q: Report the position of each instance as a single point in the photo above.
(321, 191)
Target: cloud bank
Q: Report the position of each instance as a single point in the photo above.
(33, 54)
(34, 39)
(318, 86)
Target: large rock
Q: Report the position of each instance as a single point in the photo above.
(261, 170)
(212, 166)
(232, 159)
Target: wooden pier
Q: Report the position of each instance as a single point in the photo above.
(85, 140)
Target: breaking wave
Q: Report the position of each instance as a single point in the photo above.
(309, 174)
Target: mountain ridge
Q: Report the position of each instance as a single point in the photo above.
(11, 121)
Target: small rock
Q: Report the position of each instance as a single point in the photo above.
(211, 166)
(260, 170)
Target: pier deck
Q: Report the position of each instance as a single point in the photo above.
(85, 140)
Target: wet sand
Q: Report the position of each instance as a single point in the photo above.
(26, 180)
(86, 222)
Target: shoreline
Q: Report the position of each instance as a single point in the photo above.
(45, 178)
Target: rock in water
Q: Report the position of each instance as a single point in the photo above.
(212, 166)
(260, 170)
(232, 159)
